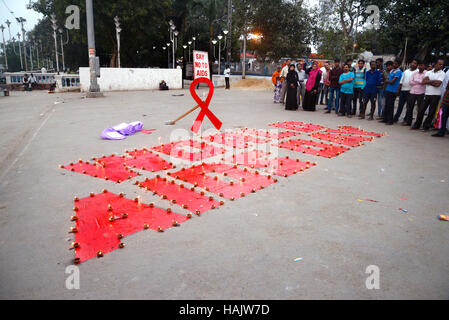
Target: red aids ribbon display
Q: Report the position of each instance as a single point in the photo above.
(205, 111)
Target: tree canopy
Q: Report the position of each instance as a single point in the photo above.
(289, 28)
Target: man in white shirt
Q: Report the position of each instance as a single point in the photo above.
(404, 89)
(324, 89)
(227, 74)
(284, 81)
(301, 83)
(434, 86)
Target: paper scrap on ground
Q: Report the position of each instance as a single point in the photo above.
(122, 130)
(298, 259)
(442, 217)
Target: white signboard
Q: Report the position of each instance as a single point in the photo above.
(201, 64)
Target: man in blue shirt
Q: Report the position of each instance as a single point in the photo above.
(373, 79)
(346, 83)
(394, 79)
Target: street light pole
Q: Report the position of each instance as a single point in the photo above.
(62, 51)
(4, 47)
(94, 89)
(37, 50)
(20, 51)
(55, 27)
(168, 54)
(8, 23)
(219, 53)
(190, 43)
(117, 31)
(229, 29)
(21, 21)
(194, 38)
(31, 54)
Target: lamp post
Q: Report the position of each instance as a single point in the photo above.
(20, 51)
(168, 58)
(226, 45)
(184, 52)
(94, 89)
(37, 50)
(4, 47)
(194, 38)
(190, 43)
(55, 27)
(8, 23)
(21, 21)
(31, 54)
(62, 50)
(173, 35)
(219, 53)
(214, 42)
(168, 54)
(118, 29)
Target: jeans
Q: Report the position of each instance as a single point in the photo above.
(403, 99)
(324, 93)
(346, 99)
(301, 92)
(390, 98)
(330, 102)
(320, 89)
(444, 117)
(380, 101)
(370, 97)
(412, 99)
(429, 101)
(358, 95)
(283, 91)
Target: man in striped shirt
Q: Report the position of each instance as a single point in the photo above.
(359, 85)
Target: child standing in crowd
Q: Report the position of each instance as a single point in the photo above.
(346, 83)
(277, 81)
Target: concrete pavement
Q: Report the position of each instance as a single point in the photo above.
(243, 250)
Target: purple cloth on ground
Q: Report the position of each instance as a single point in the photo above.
(120, 131)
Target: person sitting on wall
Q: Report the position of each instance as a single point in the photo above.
(163, 85)
(26, 83)
(52, 85)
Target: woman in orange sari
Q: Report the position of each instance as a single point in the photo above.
(277, 81)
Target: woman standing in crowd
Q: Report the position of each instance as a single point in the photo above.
(277, 81)
(312, 86)
(291, 102)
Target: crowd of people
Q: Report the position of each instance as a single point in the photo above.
(341, 87)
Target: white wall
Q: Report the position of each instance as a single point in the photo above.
(219, 80)
(124, 79)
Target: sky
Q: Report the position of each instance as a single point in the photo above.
(18, 7)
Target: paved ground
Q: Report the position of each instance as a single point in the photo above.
(243, 250)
